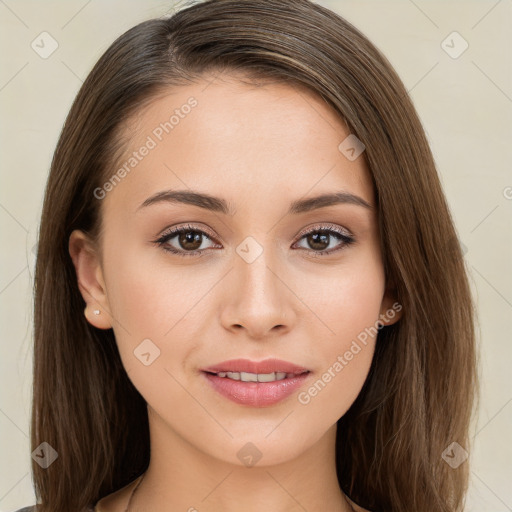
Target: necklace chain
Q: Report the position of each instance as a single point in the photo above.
(142, 478)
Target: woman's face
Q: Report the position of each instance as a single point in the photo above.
(247, 279)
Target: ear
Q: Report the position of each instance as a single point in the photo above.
(90, 279)
(391, 310)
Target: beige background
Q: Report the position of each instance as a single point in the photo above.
(465, 104)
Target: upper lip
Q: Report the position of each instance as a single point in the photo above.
(266, 366)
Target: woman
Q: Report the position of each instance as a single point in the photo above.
(249, 289)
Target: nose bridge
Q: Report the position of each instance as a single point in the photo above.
(255, 266)
(259, 300)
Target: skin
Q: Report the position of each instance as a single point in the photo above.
(259, 148)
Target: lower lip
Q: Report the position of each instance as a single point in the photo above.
(256, 394)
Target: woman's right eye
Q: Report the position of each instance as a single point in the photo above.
(187, 241)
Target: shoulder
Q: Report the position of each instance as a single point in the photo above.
(118, 500)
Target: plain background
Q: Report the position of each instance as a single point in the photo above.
(465, 104)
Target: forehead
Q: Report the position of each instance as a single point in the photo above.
(233, 137)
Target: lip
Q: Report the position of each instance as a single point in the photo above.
(256, 394)
(245, 365)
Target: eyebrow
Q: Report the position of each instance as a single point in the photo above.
(219, 205)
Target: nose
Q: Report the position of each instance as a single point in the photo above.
(258, 299)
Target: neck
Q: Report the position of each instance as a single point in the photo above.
(180, 477)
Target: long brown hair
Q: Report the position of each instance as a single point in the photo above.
(421, 388)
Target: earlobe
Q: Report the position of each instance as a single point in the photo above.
(90, 279)
(97, 317)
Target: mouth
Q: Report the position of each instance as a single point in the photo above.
(266, 367)
(256, 377)
(256, 384)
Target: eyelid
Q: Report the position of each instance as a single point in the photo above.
(324, 226)
(189, 226)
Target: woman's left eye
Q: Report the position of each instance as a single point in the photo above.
(188, 240)
(321, 238)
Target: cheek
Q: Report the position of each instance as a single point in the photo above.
(153, 306)
(345, 298)
(351, 314)
(152, 298)
(148, 295)
(347, 306)
(334, 390)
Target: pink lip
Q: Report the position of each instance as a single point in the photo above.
(256, 394)
(245, 365)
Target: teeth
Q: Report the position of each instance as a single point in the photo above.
(248, 377)
(256, 377)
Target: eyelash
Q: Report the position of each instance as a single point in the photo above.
(327, 228)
